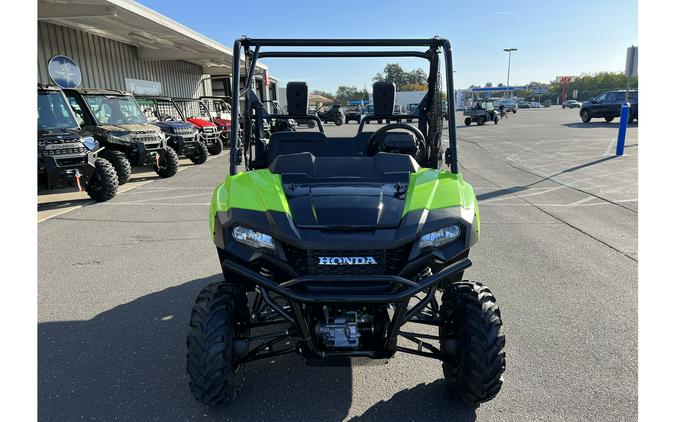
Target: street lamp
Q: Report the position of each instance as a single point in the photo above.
(508, 74)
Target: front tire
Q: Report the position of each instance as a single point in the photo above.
(471, 332)
(585, 116)
(200, 154)
(481, 121)
(609, 119)
(219, 319)
(338, 121)
(216, 148)
(467, 121)
(169, 166)
(121, 163)
(103, 183)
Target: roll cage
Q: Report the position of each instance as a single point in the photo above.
(254, 112)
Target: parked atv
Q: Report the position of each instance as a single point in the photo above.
(68, 155)
(118, 124)
(279, 124)
(481, 112)
(336, 248)
(181, 135)
(331, 113)
(197, 113)
(353, 113)
(221, 112)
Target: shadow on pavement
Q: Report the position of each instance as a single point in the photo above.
(429, 402)
(516, 189)
(55, 205)
(128, 363)
(598, 125)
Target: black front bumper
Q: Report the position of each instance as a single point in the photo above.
(183, 145)
(147, 153)
(61, 171)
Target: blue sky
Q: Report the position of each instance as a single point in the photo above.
(553, 38)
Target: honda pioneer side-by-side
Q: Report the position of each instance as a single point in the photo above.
(345, 247)
(118, 123)
(197, 113)
(181, 135)
(68, 155)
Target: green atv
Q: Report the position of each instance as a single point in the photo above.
(337, 248)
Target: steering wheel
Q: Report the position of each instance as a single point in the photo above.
(375, 144)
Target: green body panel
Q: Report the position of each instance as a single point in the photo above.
(257, 190)
(433, 189)
(261, 190)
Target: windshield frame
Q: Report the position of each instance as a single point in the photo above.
(141, 121)
(73, 124)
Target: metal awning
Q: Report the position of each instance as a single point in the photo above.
(156, 36)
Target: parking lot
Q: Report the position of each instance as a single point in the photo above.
(559, 250)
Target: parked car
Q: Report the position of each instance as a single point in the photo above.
(524, 104)
(608, 106)
(509, 105)
(535, 104)
(571, 104)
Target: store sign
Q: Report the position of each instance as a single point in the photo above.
(64, 72)
(142, 87)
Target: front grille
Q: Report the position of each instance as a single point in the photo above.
(44, 142)
(209, 129)
(71, 161)
(183, 132)
(64, 151)
(145, 139)
(389, 261)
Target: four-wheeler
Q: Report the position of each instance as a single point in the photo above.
(353, 112)
(182, 136)
(197, 113)
(481, 112)
(221, 112)
(608, 106)
(331, 113)
(68, 155)
(118, 123)
(571, 104)
(279, 124)
(339, 248)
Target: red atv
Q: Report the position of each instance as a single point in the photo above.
(221, 111)
(197, 113)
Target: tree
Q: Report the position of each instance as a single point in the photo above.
(324, 94)
(413, 87)
(393, 72)
(346, 93)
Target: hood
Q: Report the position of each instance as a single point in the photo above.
(200, 123)
(121, 130)
(223, 122)
(346, 206)
(60, 134)
(170, 125)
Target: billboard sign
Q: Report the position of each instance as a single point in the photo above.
(142, 87)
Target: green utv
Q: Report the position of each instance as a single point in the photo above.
(339, 248)
(118, 123)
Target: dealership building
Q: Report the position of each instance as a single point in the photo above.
(123, 45)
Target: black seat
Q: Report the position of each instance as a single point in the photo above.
(282, 143)
(382, 166)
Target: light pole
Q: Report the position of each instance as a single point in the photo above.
(508, 73)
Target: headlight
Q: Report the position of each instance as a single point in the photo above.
(252, 238)
(440, 237)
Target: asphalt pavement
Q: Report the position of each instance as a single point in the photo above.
(559, 250)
